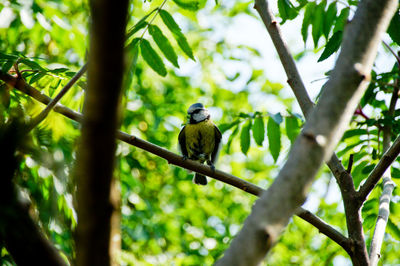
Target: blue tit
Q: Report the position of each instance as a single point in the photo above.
(200, 139)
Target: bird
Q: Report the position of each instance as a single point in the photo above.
(200, 139)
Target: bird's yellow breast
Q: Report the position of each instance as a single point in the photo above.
(200, 139)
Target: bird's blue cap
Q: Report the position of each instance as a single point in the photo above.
(195, 106)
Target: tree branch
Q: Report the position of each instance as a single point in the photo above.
(387, 159)
(321, 133)
(22, 86)
(383, 216)
(325, 229)
(342, 176)
(393, 53)
(285, 56)
(345, 181)
(96, 151)
(388, 186)
(177, 160)
(40, 117)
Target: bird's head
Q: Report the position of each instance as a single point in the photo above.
(197, 113)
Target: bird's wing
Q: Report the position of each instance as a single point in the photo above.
(217, 146)
(182, 142)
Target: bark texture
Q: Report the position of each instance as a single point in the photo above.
(96, 153)
(321, 133)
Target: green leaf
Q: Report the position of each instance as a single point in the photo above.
(277, 118)
(234, 133)
(354, 132)
(191, 5)
(317, 22)
(292, 128)
(4, 56)
(394, 27)
(32, 64)
(274, 138)
(393, 230)
(133, 48)
(310, 8)
(369, 221)
(177, 33)
(395, 172)
(8, 65)
(164, 44)
(367, 169)
(341, 20)
(36, 77)
(152, 58)
(245, 137)
(234, 77)
(133, 44)
(329, 18)
(370, 206)
(332, 46)
(258, 130)
(244, 115)
(226, 126)
(357, 174)
(139, 25)
(286, 10)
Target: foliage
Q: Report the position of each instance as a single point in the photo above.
(173, 60)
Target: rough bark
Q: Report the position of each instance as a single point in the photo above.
(343, 177)
(96, 153)
(321, 133)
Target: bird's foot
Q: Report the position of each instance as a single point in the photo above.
(211, 165)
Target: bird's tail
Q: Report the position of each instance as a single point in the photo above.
(200, 179)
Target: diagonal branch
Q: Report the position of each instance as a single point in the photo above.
(387, 159)
(40, 117)
(294, 79)
(342, 176)
(175, 159)
(393, 53)
(325, 229)
(22, 86)
(388, 186)
(321, 133)
(383, 216)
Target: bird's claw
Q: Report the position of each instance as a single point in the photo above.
(212, 168)
(184, 157)
(211, 165)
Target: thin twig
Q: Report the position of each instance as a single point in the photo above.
(350, 165)
(387, 159)
(152, 19)
(383, 216)
(325, 229)
(388, 186)
(391, 50)
(40, 117)
(177, 160)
